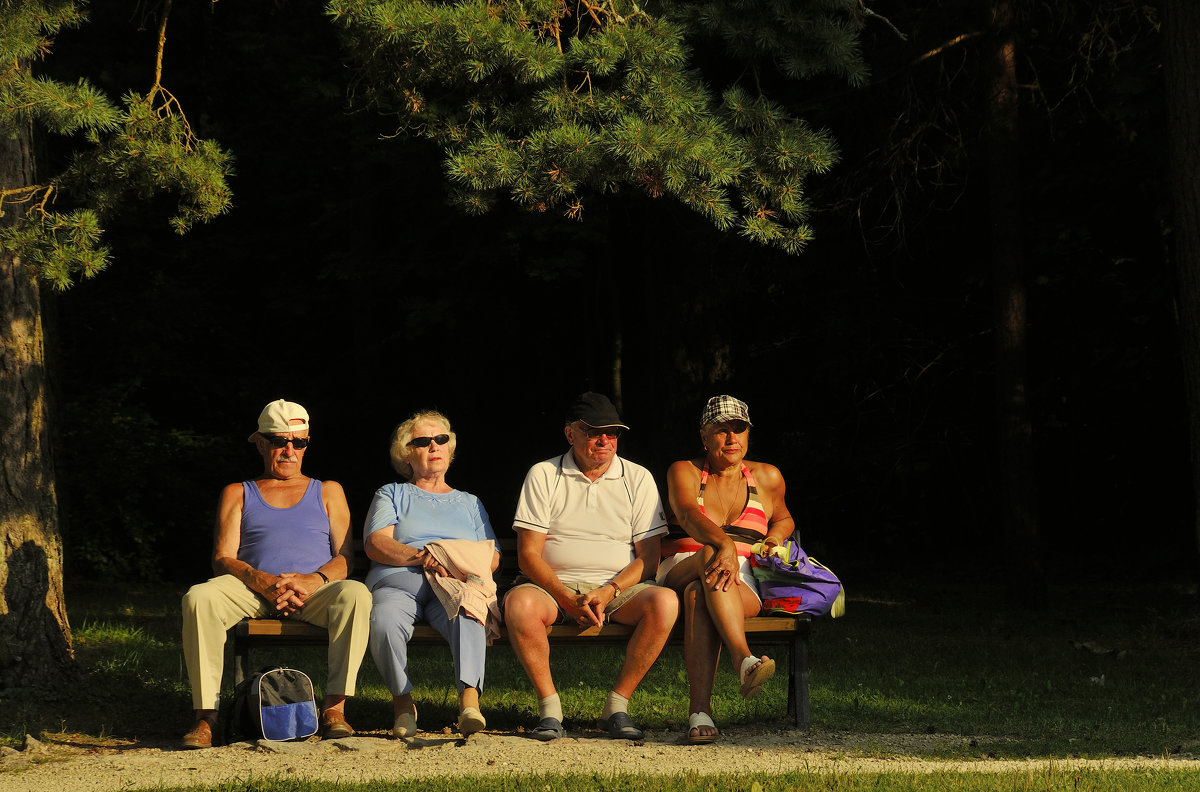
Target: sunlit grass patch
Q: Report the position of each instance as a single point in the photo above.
(111, 634)
(1040, 779)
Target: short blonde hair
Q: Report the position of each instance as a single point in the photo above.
(403, 434)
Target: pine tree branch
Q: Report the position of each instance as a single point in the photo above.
(162, 43)
(868, 12)
(954, 42)
(592, 12)
(170, 106)
(22, 195)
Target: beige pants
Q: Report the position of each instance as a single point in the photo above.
(209, 609)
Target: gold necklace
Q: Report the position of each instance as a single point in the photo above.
(721, 508)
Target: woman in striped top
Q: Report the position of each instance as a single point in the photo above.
(727, 508)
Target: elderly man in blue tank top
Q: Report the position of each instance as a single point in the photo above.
(282, 546)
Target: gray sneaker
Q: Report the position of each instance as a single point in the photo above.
(620, 727)
(548, 729)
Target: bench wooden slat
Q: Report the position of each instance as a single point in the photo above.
(290, 631)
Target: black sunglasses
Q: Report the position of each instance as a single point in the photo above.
(276, 441)
(595, 431)
(421, 442)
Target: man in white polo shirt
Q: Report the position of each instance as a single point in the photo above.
(588, 525)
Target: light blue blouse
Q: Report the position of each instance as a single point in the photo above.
(418, 517)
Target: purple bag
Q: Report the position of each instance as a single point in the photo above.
(797, 583)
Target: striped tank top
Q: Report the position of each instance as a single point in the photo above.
(748, 529)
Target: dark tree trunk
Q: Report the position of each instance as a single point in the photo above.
(1181, 31)
(35, 637)
(1018, 490)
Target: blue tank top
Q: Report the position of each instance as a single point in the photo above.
(276, 540)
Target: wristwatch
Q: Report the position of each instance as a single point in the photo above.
(616, 588)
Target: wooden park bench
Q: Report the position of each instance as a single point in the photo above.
(788, 631)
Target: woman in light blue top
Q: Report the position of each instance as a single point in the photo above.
(404, 517)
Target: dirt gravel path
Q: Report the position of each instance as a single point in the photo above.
(63, 766)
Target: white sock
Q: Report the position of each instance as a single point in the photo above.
(616, 703)
(550, 707)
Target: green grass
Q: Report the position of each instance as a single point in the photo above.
(1101, 673)
(1040, 780)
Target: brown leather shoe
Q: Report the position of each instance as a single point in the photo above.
(199, 737)
(333, 725)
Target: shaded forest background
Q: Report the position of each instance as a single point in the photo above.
(342, 280)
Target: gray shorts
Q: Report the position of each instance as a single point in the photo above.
(584, 588)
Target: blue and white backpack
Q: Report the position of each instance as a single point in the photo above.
(275, 704)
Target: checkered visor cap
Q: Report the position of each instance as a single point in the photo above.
(725, 408)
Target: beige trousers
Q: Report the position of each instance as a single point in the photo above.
(209, 609)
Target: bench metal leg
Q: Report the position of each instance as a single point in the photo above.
(798, 679)
(792, 689)
(797, 701)
(241, 658)
(801, 716)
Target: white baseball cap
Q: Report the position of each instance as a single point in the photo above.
(278, 416)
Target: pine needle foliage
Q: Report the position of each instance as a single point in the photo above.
(547, 103)
(138, 150)
(801, 39)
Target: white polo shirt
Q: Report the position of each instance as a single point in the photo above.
(590, 526)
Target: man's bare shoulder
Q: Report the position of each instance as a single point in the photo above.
(332, 493)
(232, 491)
(230, 505)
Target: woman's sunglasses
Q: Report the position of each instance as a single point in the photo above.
(421, 442)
